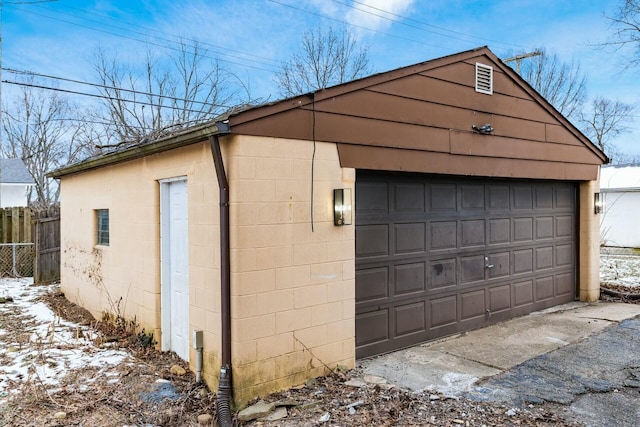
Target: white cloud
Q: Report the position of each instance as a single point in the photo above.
(377, 14)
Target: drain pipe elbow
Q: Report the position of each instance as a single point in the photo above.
(223, 399)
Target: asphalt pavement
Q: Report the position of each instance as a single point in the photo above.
(582, 360)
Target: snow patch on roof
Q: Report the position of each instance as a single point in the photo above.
(620, 177)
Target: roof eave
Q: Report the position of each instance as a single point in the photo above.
(167, 143)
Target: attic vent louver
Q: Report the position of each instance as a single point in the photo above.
(484, 78)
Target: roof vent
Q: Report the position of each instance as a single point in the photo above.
(484, 78)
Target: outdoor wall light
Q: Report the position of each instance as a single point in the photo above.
(342, 214)
(485, 129)
(598, 203)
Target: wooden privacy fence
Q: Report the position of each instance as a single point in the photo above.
(46, 242)
(15, 225)
(30, 243)
(16, 244)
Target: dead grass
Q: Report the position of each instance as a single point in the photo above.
(141, 392)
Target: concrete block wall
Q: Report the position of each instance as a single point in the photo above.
(589, 238)
(293, 287)
(124, 277)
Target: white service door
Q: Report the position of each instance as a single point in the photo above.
(176, 268)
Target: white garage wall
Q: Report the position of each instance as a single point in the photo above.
(620, 189)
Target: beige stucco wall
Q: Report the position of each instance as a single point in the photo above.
(589, 251)
(124, 277)
(293, 288)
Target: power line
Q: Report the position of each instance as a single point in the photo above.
(406, 18)
(133, 91)
(269, 61)
(358, 26)
(151, 43)
(93, 95)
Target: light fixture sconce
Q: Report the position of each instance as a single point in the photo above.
(485, 129)
(342, 213)
(598, 203)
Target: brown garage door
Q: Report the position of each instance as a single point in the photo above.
(436, 256)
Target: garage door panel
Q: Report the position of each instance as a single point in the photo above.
(564, 226)
(372, 284)
(501, 265)
(472, 197)
(472, 233)
(499, 231)
(499, 197)
(544, 258)
(565, 284)
(523, 293)
(443, 235)
(473, 304)
(372, 327)
(544, 197)
(522, 197)
(443, 197)
(409, 197)
(564, 255)
(544, 228)
(443, 273)
(409, 238)
(410, 318)
(472, 269)
(499, 299)
(409, 278)
(522, 261)
(565, 198)
(372, 241)
(421, 244)
(544, 288)
(523, 229)
(443, 311)
(372, 198)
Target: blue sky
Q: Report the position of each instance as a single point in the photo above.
(252, 37)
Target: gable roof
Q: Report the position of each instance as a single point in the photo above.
(419, 118)
(14, 171)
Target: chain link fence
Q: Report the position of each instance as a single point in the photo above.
(16, 259)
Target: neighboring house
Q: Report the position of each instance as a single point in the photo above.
(15, 183)
(473, 202)
(620, 192)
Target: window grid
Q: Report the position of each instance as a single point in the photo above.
(103, 227)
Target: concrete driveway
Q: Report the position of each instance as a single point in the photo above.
(582, 359)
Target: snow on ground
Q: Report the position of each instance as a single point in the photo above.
(38, 346)
(620, 269)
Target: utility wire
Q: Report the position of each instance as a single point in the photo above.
(93, 95)
(470, 37)
(143, 41)
(359, 26)
(135, 92)
(269, 61)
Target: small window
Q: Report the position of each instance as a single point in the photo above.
(102, 218)
(484, 78)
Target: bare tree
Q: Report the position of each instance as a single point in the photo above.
(626, 26)
(604, 120)
(43, 129)
(324, 59)
(562, 84)
(620, 158)
(168, 92)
